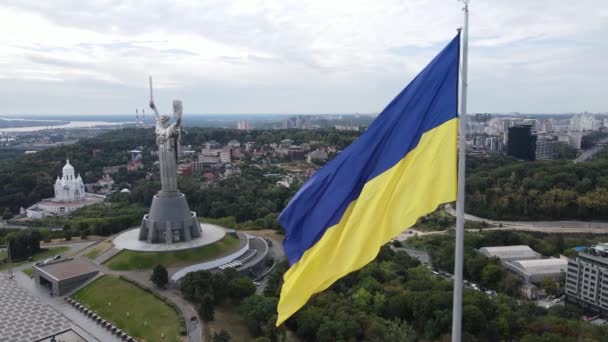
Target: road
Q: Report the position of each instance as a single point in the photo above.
(586, 155)
(540, 226)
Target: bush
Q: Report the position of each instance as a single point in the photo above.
(206, 309)
(397, 243)
(160, 276)
(84, 234)
(222, 336)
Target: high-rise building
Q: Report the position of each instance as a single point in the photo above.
(582, 122)
(242, 124)
(544, 149)
(494, 144)
(522, 143)
(587, 279)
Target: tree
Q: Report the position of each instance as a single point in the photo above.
(491, 275)
(222, 336)
(24, 243)
(84, 233)
(550, 286)
(257, 310)
(206, 309)
(67, 234)
(399, 331)
(241, 287)
(160, 276)
(309, 319)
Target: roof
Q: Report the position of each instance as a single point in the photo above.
(68, 166)
(603, 246)
(67, 268)
(509, 252)
(541, 266)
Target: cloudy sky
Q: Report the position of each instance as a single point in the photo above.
(284, 56)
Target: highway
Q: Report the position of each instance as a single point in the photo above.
(586, 155)
(539, 226)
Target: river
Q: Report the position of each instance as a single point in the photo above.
(71, 124)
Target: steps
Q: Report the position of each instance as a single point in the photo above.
(105, 256)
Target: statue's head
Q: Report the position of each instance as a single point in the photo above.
(164, 119)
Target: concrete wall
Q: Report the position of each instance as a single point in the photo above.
(61, 287)
(67, 285)
(210, 264)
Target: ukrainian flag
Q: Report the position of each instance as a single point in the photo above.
(398, 170)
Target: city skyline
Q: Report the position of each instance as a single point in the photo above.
(303, 57)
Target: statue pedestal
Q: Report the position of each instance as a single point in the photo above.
(170, 220)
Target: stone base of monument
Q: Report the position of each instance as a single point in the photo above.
(170, 220)
(129, 240)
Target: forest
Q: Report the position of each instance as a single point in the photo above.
(27, 179)
(502, 188)
(396, 299)
(498, 187)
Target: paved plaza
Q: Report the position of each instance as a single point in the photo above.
(130, 240)
(25, 318)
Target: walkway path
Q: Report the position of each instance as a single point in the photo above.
(105, 256)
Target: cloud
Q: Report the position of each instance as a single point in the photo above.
(315, 56)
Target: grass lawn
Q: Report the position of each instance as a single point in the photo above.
(148, 318)
(97, 249)
(28, 271)
(131, 260)
(43, 254)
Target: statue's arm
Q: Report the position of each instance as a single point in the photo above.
(177, 112)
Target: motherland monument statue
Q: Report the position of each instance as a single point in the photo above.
(170, 219)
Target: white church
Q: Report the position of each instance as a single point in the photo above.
(69, 196)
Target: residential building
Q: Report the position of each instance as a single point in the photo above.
(212, 145)
(286, 143)
(346, 128)
(226, 156)
(582, 122)
(587, 279)
(316, 155)
(234, 144)
(544, 149)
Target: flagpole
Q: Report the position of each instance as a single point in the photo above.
(459, 247)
